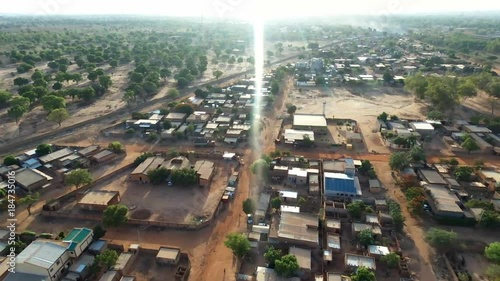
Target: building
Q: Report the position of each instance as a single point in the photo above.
(333, 242)
(80, 269)
(262, 206)
(98, 200)
(423, 128)
(268, 274)
(476, 129)
(355, 261)
(303, 257)
(484, 146)
(490, 178)
(444, 202)
(330, 276)
(198, 118)
(292, 136)
(375, 186)
(103, 156)
(205, 171)
(97, 247)
(310, 122)
(341, 185)
(41, 260)
(78, 240)
(141, 172)
(89, 150)
(177, 163)
(56, 155)
(313, 184)
(110, 275)
(297, 176)
(432, 177)
(32, 179)
(168, 256)
(378, 251)
(176, 118)
(333, 226)
(298, 229)
(124, 262)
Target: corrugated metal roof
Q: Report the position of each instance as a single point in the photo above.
(41, 253)
(340, 183)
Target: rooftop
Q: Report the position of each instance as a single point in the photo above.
(342, 183)
(444, 200)
(300, 227)
(98, 197)
(19, 276)
(422, 126)
(432, 177)
(268, 274)
(27, 177)
(378, 250)
(177, 163)
(298, 172)
(176, 116)
(333, 241)
(288, 194)
(56, 155)
(102, 154)
(292, 135)
(41, 253)
(123, 260)
(168, 253)
(204, 168)
(374, 183)
(77, 235)
(309, 120)
(149, 164)
(488, 174)
(333, 223)
(303, 257)
(333, 166)
(357, 261)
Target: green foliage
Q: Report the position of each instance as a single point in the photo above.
(16, 112)
(493, 272)
(115, 215)
(417, 154)
(435, 115)
(275, 87)
(184, 108)
(414, 192)
(366, 166)
(238, 243)
(58, 115)
(29, 200)
(99, 232)
(470, 144)
(5, 97)
(276, 203)
(78, 178)
(397, 216)
(492, 252)
(217, 74)
(463, 173)
(290, 108)
(475, 203)
(116, 147)
(61, 235)
(365, 237)
(441, 239)
(398, 161)
(107, 259)
(158, 176)
(392, 260)
(363, 274)
(152, 137)
(10, 160)
(142, 158)
(260, 167)
(271, 255)
(383, 116)
(52, 102)
(356, 209)
(184, 176)
(172, 93)
(286, 266)
(248, 206)
(302, 200)
(490, 219)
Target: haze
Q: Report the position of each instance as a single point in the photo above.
(244, 8)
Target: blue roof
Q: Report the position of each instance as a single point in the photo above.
(340, 183)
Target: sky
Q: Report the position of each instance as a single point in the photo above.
(245, 9)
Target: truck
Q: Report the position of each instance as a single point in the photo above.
(204, 143)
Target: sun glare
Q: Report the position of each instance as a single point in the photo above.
(258, 26)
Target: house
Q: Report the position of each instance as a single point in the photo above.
(378, 251)
(97, 247)
(303, 258)
(473, 129)
(98, 200)
(310, 122)
(31, 164)
(484, 146)
(490, 178)
(125, 261)
(168, 256)
(41, 260)
(313, 184)
(333, 242)
(297, 176)
(32, 179)
(81, 268)
(355, 261)
(333, 166)
(349, 167)
(371, 219)
(333, 226)
(330, 276)
(341, 185)
(443, 201)
(177, 163)
(78, 240)
(432, 177)
(292, 136)
(141, 172)
(423, 128)
(56, 155)
(168, 134)
(111, 275)
(205, 171)
(198, 118)
(89, 150)
(288, 196)
(262, 206)
(298, 229)
(176, 117)
(358, 227)
(375, 186)
(268, 274)
(103, 156)
(146, 124)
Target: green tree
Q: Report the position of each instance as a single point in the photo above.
(99, 232)
(107, 259)
(271, 255)
(248, 206)
(363, 274)
(466, 90)
(10, 160)
(182, 82)
(383, 116)
(172, 93)
(129, 97)
(78, 178)
(29, 200)
(260, 167)
(398, 161)
(490, 219)
(366, 166)
(290, 109)
(276, 203)
(238, 243)
(184, 108)
(492, 252)
(164, 73)
(5, 97)
(417, 154)
(388, 77)
(185, 176)
(115, 215)
(286, 266)
(105, 81)
(217, 74)
(275, 87)
(52, 102)
(20, 101)
(365, 237)
(158, 176)
(493, 272)
(16, 112)
(116, 147)
(58, 115)
(142, 158)
(356, 208)
(43, 149)
(470, 144)
(20, 81)
(463, 173)
(435, 115)
(302, 200)
(392, 260)
(441, 239)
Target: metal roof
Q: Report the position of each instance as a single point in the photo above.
(168, 253)
(41, 253)
(357, 261)
(77, 235)
(432, 177)
(309, 120)
(378, 250)
(303, 257)
(301, 227)
(341, 183)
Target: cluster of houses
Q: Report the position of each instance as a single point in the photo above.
(34, 172)
(297, 229)
(71, 259)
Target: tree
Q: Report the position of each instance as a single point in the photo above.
(441, 239)
(463, 173)
(142, 158)
(115, 215)
(172, 93)
(16, 112)
(470, 144)
(99, 232)
(105, 81)
(276, 203)
(184, 108)
(87, 94)
(320, 80)
(466, 90)
(20, 81)
(383, 116)
(365, 237)
(58, 115)
(290, 109)
(366, 166)
(29, 200)
(363, 274)
(158, 176)
(492, 252)
(57, 86)
(217, 74)
(43, 149)
(52, 102)
(129, 97)
(435, 115)
(275, 87)
(92, 76)
(10, 160)
(398, 160)
(286, 266)
(356, 208)
(184, 176)
(392, 260)
(5, 97)
(388, 77)
(164, 73)
(490, 218)
(248, 206)
(107, 259)
(116, 147)
(493, 272)
(417, 154)
(238, 243)
(182, 82)
(78, 178)
(199, 93)
(271, 255)
(260, 167)
(306, 141)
